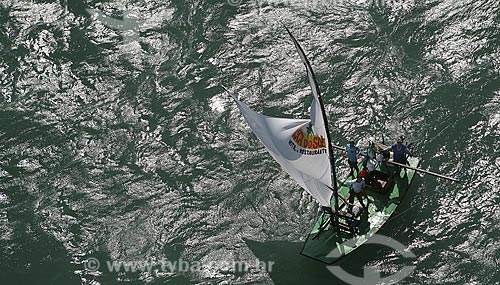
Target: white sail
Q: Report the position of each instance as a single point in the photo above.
(299, 146)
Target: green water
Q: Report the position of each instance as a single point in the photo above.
(121, 145)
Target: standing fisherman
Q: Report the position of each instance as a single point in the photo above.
(357, 188)
(370, 177)
(352, 151)
(370, 153)
(400, 152)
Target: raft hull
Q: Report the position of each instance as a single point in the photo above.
(328, 244)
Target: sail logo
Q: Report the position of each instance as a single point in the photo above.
(306, 142)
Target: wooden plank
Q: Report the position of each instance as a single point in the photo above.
(381, 145)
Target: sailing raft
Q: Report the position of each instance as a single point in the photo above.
(304, 149)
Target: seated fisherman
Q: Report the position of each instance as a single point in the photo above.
(364, 172)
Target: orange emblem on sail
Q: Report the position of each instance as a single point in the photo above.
(308, 141)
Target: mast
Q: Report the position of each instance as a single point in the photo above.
(330, 156)
(315, 89)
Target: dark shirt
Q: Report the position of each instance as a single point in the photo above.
(400, 154)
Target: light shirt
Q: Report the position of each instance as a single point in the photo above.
(380, 157)
(357, 187)
(372, 164)
(351, 152)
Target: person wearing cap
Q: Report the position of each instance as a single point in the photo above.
(352, 151)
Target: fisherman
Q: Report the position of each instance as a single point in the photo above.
(364, 172)
(352, 151)
(358, 188)
(370, 153)
(380, 157)
(400, 152)
(370, 177)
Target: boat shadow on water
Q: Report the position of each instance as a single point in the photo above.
(289, 267)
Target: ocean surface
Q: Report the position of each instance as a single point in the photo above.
(118, 143)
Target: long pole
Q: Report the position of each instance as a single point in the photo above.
(423, 171)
